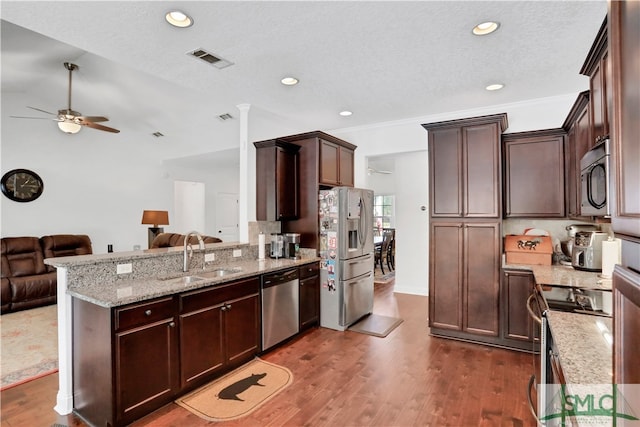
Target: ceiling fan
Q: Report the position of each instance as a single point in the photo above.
(70, 121)
(383, 172)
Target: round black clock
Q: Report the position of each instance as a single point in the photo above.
(21, 185)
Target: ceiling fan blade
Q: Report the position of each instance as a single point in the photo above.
(39, 109)
(37, 118)
(99, 127)
(93, 119)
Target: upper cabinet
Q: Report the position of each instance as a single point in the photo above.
(534, 174)
(336, 164)
(464, 162)
(577, 126)
(276, 180)
(596, 67)
(625, 136)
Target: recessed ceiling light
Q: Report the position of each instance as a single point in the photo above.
(289, 81)
(178, 19)
(345, 113)
(485, 28)
(496, 86)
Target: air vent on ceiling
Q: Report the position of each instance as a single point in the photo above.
(210, 58)
(225, 116)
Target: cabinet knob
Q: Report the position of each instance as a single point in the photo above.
(172, 324)
(223, 308)
(147, 313)
(228, 306)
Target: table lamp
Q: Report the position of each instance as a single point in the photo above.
(155, 218)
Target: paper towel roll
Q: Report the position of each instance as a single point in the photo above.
(610, 256)
(261, 246)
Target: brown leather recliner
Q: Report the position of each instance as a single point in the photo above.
(167, 240)
(59, 245)
(26, 283)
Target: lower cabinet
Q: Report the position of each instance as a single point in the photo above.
(309, 295)
(219, 330)
(464, 280)
(129, 361)
(518, 329)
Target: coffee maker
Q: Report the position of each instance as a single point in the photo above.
(292, 245)
(587, 250)
(277, 246)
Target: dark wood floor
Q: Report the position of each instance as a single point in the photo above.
(351, 379)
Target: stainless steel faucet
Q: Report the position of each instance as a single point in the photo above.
(187, 257)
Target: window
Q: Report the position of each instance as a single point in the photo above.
(384, 212)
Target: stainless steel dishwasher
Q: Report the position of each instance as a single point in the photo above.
(280, 307)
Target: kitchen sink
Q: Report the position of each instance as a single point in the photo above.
(187, 279)
(221, 272)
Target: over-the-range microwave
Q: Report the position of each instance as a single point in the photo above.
(595, 181)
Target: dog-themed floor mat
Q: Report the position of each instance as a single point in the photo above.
(238, 393)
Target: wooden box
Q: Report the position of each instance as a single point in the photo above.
(532, 250)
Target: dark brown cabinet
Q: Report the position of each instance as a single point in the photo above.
(464, 278)
(309, 276)
(129, 361)
(464, 164)
(577, 126)
(596, 66)
(276, 180)
(218, 329)
(534, 174)
(626, 326)
(336, 165)
(323, 161)
(625, 45)
(518, 328)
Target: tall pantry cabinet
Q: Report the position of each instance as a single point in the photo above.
(465, 227)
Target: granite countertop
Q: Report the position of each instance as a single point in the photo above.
(585, 355)
(130, 291)
(563, 276)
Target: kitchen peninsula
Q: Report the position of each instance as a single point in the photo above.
(130, 324)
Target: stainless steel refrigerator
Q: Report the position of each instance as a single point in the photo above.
(346, 249)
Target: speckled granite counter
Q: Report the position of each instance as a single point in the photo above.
(563, 276)
(585, 355)
(129, 291)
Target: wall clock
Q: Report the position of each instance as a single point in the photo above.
(21, 185)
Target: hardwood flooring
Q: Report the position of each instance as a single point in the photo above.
(349, 379)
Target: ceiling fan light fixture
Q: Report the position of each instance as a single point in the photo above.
(69, 127)
(178, 19)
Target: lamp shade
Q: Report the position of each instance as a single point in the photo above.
(155, 218)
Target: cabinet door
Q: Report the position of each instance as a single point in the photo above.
(346, 167)
(445, 157)
(517, 286)
(145, 369)
(534, 176)
(329, 167)
(481, 171)
(445, 275)
(481, 278)
(201, 344)
(286, 184)
(599, 110)
(242, 329)
(626, 326)
(309, 301)
(579, 141)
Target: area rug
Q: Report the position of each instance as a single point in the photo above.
(238, 393)
(381, 279)
(29, 346)
(376, 325)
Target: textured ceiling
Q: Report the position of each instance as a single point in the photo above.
(385, 61)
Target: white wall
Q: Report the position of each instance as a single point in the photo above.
(408, 136)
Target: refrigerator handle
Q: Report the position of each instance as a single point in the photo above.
(362, 237)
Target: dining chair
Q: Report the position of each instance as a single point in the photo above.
(382, 251)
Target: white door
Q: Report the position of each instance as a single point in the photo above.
(227, 217)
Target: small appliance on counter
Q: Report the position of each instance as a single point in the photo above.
(277, 246)
(292, 245)
(587, 250)
(567, 245)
